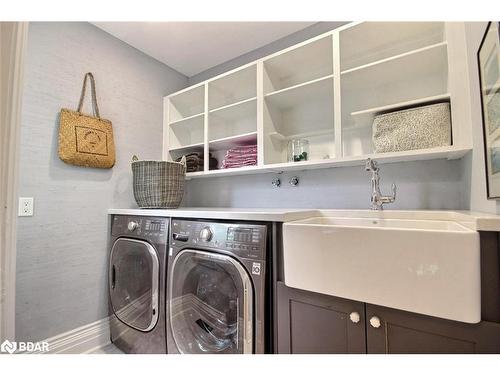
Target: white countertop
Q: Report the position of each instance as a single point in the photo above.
(252, 214)
(473, 220)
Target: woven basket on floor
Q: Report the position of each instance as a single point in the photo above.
(158, 184)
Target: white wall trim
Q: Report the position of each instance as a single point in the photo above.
(81, 340)
(14, 39)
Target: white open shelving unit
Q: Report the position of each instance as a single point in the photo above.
(326, 90)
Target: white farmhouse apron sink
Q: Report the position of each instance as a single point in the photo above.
(430, 267)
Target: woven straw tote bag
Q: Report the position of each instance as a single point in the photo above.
(85, 140)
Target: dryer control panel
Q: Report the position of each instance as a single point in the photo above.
(243, 240)
(154, 229)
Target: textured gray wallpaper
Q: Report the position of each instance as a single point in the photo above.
(62, 250)
(435, 184)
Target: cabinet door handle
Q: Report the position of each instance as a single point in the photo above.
(354, 316)
(375, 321)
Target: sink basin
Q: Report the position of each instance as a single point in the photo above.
(430, 267)
(385, 223)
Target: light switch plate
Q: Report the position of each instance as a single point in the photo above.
(25, 206)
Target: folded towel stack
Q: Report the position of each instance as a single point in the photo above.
(240, 156)
(194, 162)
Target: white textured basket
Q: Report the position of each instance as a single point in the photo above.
(413, 129)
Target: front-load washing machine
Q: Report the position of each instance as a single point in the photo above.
(218, 293)
(137, 265)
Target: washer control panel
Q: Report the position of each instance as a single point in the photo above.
(244, 240)
(151, 228)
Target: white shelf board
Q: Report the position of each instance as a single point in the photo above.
(187, 148)
(252, 169)
(236, 140)
(186, 119)
(316, 133)
(230, 106)
(187, 91)
(300, 63)
(366, 116)
(366, 42)
(189, 175)
(424, 51)
(448, 152)
(234, 112)
(297, 94)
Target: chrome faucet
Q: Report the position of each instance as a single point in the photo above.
(377, 200)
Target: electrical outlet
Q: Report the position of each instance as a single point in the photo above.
(25, 207)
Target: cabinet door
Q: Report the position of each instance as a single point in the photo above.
(315, 323)
(404, 332)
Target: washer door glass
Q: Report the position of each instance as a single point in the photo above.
(133, 283)
(210, 305)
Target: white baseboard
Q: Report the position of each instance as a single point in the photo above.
(81, 340)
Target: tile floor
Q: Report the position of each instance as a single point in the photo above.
(108, 349)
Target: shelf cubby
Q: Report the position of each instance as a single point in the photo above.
(230, 126)
(366, 116)
(303, 111)
(232, 88)
(227, 143)
(186, 104)
(406, 80)
(219, 147)
(186, 132)
(234, 119)
(416, 74)
(176, 153)
(368, 42)
(295, 66)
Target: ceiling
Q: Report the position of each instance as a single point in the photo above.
(192, 47)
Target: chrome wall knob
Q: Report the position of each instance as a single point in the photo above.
(294, 181)
(132, 225)
(375, 322)
(206, 234)
(354, 316)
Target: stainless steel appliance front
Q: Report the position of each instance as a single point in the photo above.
(210, 304)
(216, 288)
(136, 283)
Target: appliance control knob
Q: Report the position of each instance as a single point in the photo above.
(132, 225)
(375, 322)
(206, 234)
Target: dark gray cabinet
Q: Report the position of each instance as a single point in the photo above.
(317, 324)
(401, 332)
(309, 322)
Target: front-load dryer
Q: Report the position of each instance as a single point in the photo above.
(137, 266)
(218, 294)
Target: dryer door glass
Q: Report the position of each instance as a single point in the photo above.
(210, 304)
(133, 283)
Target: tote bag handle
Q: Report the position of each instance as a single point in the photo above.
(95, 108)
